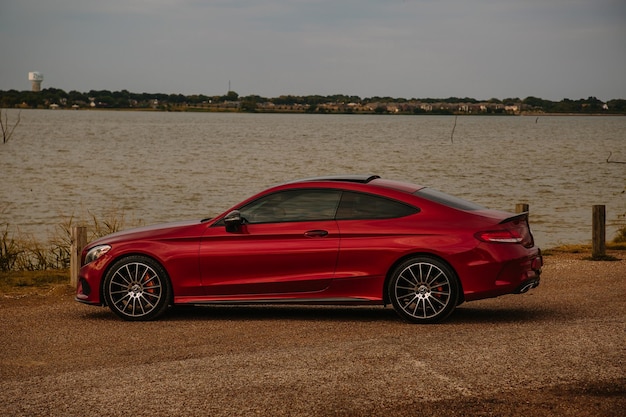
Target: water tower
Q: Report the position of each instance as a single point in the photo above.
(35, 78)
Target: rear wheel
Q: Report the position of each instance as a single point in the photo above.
(137, 288)
(423, 290)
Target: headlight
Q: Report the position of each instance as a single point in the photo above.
(96, 252)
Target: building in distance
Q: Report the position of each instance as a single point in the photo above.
(35, 78)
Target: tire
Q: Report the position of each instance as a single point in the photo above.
(137, 288)
(423, 290)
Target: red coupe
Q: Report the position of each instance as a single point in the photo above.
(329, 240)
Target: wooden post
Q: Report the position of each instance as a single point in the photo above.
(79, 241)
(521, 208)
(598, 235)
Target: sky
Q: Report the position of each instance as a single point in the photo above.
(551, 49)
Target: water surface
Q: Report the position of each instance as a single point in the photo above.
(156, 167)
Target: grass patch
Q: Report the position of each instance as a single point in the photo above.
(22, 252)
(620, 246)
(587, 250)
(616, 246)
(566, 249)
(32, 280)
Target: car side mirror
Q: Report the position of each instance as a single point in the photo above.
(233, 221)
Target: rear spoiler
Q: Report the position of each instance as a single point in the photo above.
(522, 216)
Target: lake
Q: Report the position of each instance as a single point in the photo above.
(150, 167)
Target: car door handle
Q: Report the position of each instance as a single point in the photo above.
(316, 233)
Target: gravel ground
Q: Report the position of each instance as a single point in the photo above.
(558, 350)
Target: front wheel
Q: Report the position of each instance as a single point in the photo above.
(423, 290)
(137, 288)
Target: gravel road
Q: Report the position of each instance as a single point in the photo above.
(558, 350)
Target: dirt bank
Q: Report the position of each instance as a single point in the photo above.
(557, 350)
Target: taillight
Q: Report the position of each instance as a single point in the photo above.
(499, 236)
(515, 231)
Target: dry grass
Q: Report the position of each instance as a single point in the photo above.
(27, 281)
(22, 252)
(584, 249)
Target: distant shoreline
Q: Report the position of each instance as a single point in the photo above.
(330, 104)
(223, 110)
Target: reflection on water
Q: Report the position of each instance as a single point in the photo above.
(157, 167)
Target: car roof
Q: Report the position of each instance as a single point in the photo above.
(359, 178)
(364, 179)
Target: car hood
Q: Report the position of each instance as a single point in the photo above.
(149, 232)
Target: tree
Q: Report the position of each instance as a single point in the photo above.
(591, 105)
(617, 106)
(230, 96)
(380, 109)
(76, 97)
(511, 101)
(287, 100)
(248, 104)
(7, 131)
(533, 101)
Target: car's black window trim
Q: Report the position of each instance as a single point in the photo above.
(411, 209)
(448, 200)
(328, 217)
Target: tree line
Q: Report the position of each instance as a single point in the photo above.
(124, 99)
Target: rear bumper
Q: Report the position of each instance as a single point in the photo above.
(511, 273)
(533, 274)
(520, 276)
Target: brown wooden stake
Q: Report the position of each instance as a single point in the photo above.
(79, 241)
(598, 238)
(521, 208)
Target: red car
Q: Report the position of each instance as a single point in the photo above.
(328, 240)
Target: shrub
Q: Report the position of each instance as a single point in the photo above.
(25, 253)
(9, 250)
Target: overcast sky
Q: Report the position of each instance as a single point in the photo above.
(552, 49)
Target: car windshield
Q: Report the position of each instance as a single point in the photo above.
(447, 200)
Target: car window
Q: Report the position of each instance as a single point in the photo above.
(293, 206)
(447, 200)
(359, 206)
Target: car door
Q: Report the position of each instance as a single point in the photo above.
(288, 244)
(375, 231)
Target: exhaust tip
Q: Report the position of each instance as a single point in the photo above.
(527, 286)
